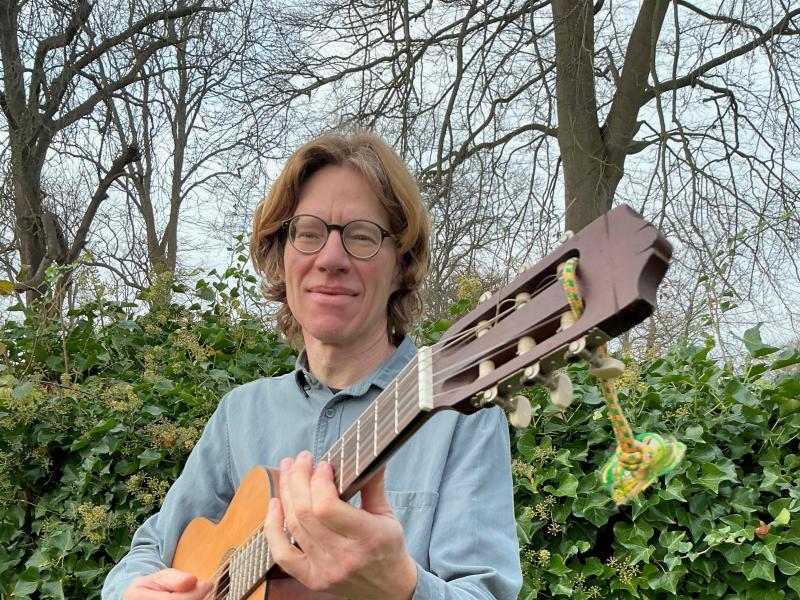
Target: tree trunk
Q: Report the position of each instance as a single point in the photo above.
(593, 157)
(583, 152)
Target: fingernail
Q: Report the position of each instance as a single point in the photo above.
(304, 455)
(286, 464)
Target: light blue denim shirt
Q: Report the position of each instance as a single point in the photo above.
(449, 485)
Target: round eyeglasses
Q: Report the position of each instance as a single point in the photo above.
(308, 234)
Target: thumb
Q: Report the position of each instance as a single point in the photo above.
(173, 580)
(373, 495)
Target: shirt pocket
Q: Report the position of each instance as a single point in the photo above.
(415, 511)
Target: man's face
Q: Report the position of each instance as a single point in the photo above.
(336, 298)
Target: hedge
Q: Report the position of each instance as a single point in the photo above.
(100, 406)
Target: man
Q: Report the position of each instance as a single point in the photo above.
(342, 241)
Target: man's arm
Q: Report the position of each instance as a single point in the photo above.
(360, 553)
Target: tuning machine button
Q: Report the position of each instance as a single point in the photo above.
(602, 367)
(560, 388)
(518, 409)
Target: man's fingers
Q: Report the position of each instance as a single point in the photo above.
(174, 580)
(333, 513)
(283, 552)
(302, 515)
(373, 495)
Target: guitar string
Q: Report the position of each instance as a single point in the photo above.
(408, 408)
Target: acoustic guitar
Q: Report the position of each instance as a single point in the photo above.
(516, 337)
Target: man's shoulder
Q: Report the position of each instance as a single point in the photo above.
(262, 389)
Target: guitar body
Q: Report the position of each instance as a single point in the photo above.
(204, 546)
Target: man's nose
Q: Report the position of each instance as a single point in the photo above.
(333, 256)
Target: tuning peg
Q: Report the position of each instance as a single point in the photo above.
(521, 299)
(568, 319)
(566, 236)
(602, 367)
(484, 297)
(519, 411)
(560, 388)
(609, 368)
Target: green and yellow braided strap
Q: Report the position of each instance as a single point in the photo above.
(637, 461)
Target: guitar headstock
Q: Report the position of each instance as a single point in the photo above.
(515, 337)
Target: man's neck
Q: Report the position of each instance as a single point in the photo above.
(339, 367)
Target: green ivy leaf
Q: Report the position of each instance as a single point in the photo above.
(52, 590)
(149, 457)
(634, 537)
(758, 569)
(567, 486)
(556, 566)
(673, 542)
(794, 583)
(711, 475)
(783, 517)
(27, 583)
(664, 580)
(753, 343)
(788, 560)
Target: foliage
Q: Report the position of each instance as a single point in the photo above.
(98, 411)
(100, 406)
(724, 524)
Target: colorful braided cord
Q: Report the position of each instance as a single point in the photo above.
(637, 461)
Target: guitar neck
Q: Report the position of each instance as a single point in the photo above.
(366, 445)
(377, 433)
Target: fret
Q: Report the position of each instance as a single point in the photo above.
(341, 466)
(358, 443)
(251, 563)
(375, 429)
(233, 576)
(246, 566)
(263, 566)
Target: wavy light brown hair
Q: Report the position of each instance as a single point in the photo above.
(396, 190)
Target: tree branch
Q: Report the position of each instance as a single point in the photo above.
(781, 28)
(129, 155)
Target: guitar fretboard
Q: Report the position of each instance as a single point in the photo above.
(367, 444)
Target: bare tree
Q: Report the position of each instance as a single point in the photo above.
(53, 55)
(687, 113)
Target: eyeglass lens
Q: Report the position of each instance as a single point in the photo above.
(308, 234)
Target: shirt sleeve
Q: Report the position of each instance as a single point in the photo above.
(204, 488)
(474, 551)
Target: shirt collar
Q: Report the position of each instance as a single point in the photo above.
(381, 377)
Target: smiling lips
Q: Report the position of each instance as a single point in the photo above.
(329, 290)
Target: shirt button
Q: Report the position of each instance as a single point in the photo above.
(330, 413)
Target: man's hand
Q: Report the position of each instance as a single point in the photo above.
(168, 583)
(357, 553)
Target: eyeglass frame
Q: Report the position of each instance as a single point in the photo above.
(286, 224)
